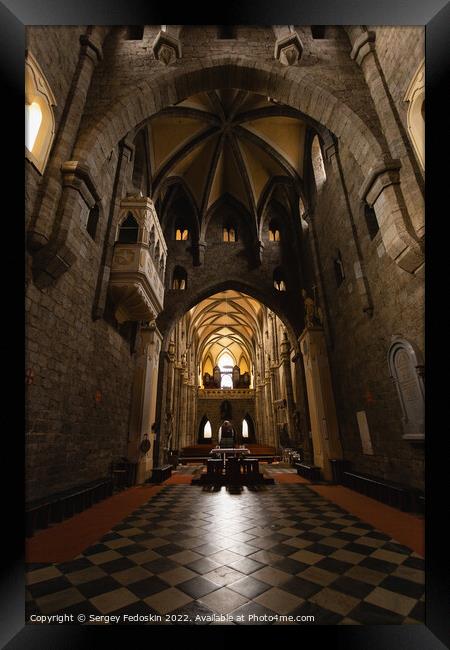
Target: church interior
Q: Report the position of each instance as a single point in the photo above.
(225, 324)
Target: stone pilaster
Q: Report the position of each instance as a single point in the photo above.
(143, 405)
(322, 408)
(290, 403)
(126, 150)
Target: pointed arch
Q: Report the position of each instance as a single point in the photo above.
(204, 433)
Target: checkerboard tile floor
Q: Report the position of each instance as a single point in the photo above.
(278, 549)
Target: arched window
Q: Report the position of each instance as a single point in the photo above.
(226, 381)
(317, 162)
(371, 220)
(204, 430)
(274, 231)
(248, 428)
(128, 231)
(179, 279)
(181, 233)
(279, 281)
(33, 121)
(207, 431)
(226, 363)
(415, 96)
(229, 234)
(92, 221)
(39, 116)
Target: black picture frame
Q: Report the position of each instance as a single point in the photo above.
(14, 16)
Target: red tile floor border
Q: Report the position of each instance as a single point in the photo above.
(63, 542)
(406, 528)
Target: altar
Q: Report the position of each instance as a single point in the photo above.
(233, 452)
(232, 466)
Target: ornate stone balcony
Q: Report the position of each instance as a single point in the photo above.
(136, 283)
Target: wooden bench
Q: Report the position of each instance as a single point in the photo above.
(391, 493)
(195, 454)
(310, 472)
(162, 473)
(54, 508)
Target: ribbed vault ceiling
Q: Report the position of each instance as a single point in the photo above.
(226, 141)
(228, 320)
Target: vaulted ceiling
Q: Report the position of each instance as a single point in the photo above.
(228, 320)
(225, 142)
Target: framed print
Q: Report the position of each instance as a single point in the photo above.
(225, 318)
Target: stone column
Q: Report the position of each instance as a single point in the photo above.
(126, 149)
(290, 405)
(164, 402)
(177, 412)
(272, 399)
(170, 402)
(362, 282)
(322, 409)
(183, 406)
(260, 422)
(194, 401)
(302, 411)
(143, 404)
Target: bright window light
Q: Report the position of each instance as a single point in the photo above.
(207, 432)
(33, 121)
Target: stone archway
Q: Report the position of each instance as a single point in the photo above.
(294, 87)
(292, 319)
(325, 103)
(291, 315)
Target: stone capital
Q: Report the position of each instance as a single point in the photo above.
(364, 44)
(380, 176)
(78, 176)
(166, 48)
(91, 47)
(289, 49)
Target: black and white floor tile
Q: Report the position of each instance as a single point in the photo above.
(278, 550)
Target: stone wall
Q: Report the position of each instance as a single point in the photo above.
(210, 406)
(72, 438)
(232, 262)
(359, 343)
(400, 52)
(57, 51)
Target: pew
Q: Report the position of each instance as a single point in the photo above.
(389, 492)
(310, 472)
(40, 513)
(160, 474)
